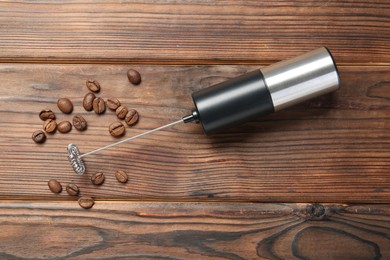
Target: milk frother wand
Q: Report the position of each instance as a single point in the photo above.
(249, 96)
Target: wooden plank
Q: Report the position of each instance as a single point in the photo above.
(195, 31)
(333, 148)
(193, 231)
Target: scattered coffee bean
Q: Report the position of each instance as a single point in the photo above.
(134, 76)
(93, 85)
(121, 112)
(113, 103)
(79, 123)
(65, 105)
(39, 137)
(86, 202)
(64, 127)
(97, 178)
(121, 176)
(54, 186)
(72, 189)
(132, 117)
(117, 129)
(88, 101)
(50, 126)
(99, 106)
(47, 114)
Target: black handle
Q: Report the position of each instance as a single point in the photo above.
(232, 102)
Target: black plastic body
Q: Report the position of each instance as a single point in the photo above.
(232, 102)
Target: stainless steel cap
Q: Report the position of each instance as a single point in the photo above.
(301, 78)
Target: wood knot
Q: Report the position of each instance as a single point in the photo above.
(316, 211)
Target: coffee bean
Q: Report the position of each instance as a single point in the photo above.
(47, 114)
(93, 85)
(86, 202)
(132, 117)
(113, 103)
(65, 105)
(134, 76)
(88, 101)
(64, 127)
(121, 112)
(99, 106)
(121, 176)
(79, 123)
(50, 126)
(39, 137)
(97, 178)
(72, 189)
(54, 186)
(117, 129)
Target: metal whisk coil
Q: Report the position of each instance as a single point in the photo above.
(75, 160)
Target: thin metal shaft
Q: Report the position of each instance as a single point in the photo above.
(133, 137)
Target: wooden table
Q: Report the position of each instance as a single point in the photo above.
(310, 182)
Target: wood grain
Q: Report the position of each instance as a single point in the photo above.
(193, 231)
(195, 31)
(335, 148)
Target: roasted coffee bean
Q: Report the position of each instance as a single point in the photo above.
(86, 202)
(54, 186)
(99, 106)
(50, 126)
(97, 178)
(121, 112)
(121, 176)
(79, 123)
(117, 129)
(134, 76)
(39, 137)
(65, 105)
(93, 85)
(132, 117)
(88, 101)
(72, 189)
(47, 114)
(113, 103)
(64, 127)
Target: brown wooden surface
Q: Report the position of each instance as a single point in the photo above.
(188, 195)
(331, 149)
(193, 231)
(193, 31)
